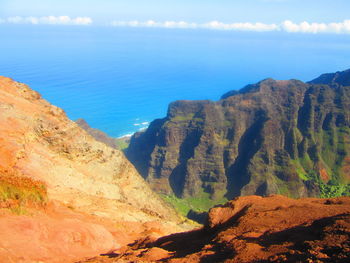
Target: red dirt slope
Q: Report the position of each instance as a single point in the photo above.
(256, 229)
(34, 229)
(43, 238)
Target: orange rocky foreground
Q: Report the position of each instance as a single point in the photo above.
(57, 234)
(59, 237)
(63, 195)
(255, 229)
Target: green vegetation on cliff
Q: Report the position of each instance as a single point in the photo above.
(274, 137)
(200, 203)
(18, 192)
(122, 143)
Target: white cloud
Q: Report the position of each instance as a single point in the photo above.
(14, 20)
(241, 26)
(48, 20)
(151, 23)
(216, 25)
(306, 27)
(286, 26)
(141, 124)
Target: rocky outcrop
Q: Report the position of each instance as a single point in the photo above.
(48, 160)
(40, 142)
(97, 134)
(273, 137)
(338, 78)
(256, 229)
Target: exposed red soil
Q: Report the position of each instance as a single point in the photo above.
(255, 229)
(53, 234)
(324, 175)
(39, 230)
(346, 168)
(57, 234)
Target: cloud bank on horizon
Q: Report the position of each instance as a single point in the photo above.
(48, 20)
(286, 26)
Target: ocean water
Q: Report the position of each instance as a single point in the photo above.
(120, 79)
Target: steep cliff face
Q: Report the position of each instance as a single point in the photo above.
(274, 137)
(38, 141)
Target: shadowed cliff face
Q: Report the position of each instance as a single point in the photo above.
(274, 137)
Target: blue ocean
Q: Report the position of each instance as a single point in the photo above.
(120, 79)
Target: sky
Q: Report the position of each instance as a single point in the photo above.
(195, 11)
(292, 16)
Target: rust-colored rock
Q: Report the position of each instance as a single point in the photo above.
(258, 229)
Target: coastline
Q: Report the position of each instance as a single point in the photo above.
(129, 135)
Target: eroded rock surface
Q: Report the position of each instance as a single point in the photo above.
(97, 134)
(256, 229)
(273, 137)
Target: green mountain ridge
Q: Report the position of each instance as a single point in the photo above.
(273, 137)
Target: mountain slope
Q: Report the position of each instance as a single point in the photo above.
(338, 78)
(39, 141)
(64, 195)
(273, 137)
(97, 134)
